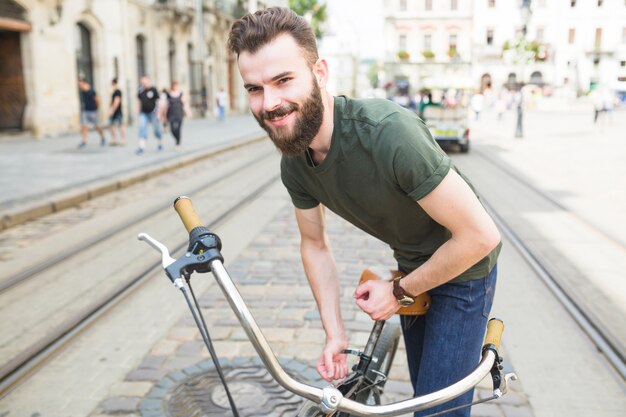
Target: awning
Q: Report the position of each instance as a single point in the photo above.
(15, 25)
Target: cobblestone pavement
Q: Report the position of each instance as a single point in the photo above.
(271, 280)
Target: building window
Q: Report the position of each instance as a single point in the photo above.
(489, 36)
(403, 6)
(428, 42)
(622, 64)
(572, 3)
(600, 3)
(428, 4)
(598, 40)
(402, 43)
(491, 4)
(140, 45)
(454, 5)
(571, 36)
(452, 40)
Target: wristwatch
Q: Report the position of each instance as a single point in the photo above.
(404, 298)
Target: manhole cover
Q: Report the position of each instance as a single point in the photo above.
(198, 392)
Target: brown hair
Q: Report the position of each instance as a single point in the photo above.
(255, 30)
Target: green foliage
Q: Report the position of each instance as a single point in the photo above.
(403, 55)
(525, 51)
(428, 54)
(311, 9)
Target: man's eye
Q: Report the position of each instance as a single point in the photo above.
(253, 89)
(283, 80)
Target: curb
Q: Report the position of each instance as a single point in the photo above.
(66, 199)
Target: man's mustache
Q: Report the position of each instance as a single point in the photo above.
(279, 112)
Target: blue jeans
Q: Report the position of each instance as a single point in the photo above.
(444, 345)
(144, 119)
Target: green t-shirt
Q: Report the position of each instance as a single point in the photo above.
(382, 159)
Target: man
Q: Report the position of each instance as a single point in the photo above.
(116, 116)
(89, 103)
(148, 98)
(376, 165)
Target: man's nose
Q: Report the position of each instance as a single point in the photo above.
(271, 99)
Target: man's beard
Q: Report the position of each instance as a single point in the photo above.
(307, 124)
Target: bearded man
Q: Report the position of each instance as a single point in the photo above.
(376, 165)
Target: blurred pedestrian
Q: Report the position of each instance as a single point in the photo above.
(148, 99)
(116, 116)
(477, 102)
(598, 104)
(220, 102)
(174, 110)
(518, 102)
(89, 103)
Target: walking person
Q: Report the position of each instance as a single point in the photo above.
(148, 99)
(89, 103)
(116, 117)
(220, 102)
(174, 110)
(376, 165)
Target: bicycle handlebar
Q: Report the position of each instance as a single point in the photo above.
(187, 214)
(495, 327)
(330, 398)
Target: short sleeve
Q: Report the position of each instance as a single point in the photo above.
(418, 163)
(299, 196)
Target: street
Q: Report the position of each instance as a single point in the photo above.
(561, 188)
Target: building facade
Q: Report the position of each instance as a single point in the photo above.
(46, 45)
(573, 45)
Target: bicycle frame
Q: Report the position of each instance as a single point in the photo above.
(329, 398)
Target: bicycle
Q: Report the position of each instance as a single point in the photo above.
(359, 394)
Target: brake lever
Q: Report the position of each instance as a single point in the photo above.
(166, 259)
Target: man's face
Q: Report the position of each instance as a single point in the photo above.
(283, 94)
(145, 82)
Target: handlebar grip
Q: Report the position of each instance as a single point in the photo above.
(495, 327)
(187, 214)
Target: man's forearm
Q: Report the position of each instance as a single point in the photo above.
(321, 272)
(452, 258)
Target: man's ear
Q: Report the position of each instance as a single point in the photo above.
(320, 71)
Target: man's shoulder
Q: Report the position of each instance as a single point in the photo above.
(372, 111)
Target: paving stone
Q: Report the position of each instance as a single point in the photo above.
(164, 347)
(179, 363)
(152, 362)
(146, 375)
(183, 334)
(190, 348)
(130, 389)
(120, 404)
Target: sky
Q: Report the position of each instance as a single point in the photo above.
(359, 23)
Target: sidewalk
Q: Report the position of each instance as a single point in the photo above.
(41, 176)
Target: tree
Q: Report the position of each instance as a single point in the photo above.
(314, 12)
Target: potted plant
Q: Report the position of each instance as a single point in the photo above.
(428, 54)
(403, 55)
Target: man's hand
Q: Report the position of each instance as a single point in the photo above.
(376, 299)
(332, 364)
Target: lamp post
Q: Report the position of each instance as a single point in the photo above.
(200, 55)
(519, 96)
